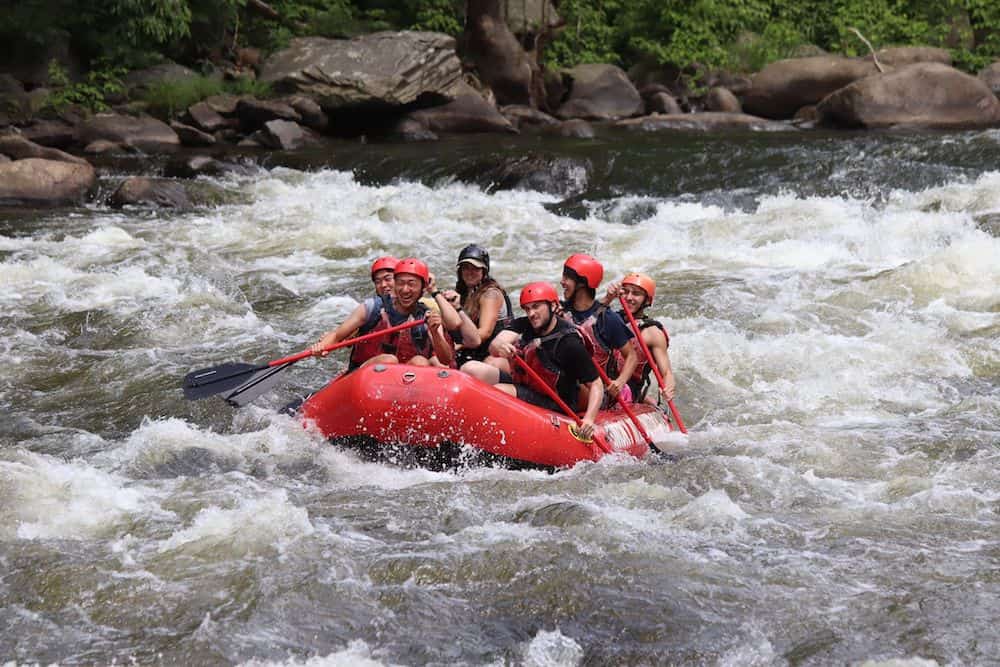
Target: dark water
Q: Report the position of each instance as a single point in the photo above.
(834, 309)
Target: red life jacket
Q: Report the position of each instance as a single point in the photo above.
(640, 377)
(539, 360)
(405, 344)
(603, 356)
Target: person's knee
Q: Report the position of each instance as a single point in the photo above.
(507, 388)
(382, 359)
(419, 360)
(481, 371)
(501, 364)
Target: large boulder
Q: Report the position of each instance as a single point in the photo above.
(254, 113)
(929, 95)
(782, 87)
(722, 99)
(284, 135)
(205, 118)
(661, 102)
(191, 136)
(144, 133)
(34, 181)
(18, 148)
(707, 121)
(468, 112)
(900, 56)
(990, 75)
(54, 133)
(384, 68)
(600, 92)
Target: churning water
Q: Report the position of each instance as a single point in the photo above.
(834, 310)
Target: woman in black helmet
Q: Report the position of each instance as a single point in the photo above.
(481, 297)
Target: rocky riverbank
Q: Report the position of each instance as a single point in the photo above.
(413, 87)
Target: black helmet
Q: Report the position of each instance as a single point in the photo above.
(476, 256)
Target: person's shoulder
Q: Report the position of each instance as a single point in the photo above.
(492, 292)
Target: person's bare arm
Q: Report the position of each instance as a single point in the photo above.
(343, 332)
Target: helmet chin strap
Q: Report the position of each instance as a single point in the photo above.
(548, 320)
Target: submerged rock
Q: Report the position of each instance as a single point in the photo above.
(143, 190)
(561, 176)
(706, 121)
(167, 193)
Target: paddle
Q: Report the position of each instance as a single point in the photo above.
(624, 406)
(558, 400)
(240, 378)
(651, 362)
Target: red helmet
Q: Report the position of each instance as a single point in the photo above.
(643, 282)
(533, 292)
(588, 268)
(382, 263)
(414, 267)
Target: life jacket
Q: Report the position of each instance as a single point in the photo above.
(602, 355)
(405, 344)
(639, 382)
(504, 317)
(538, 359)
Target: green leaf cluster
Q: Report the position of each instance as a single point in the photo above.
(744, 35)
(92, 93)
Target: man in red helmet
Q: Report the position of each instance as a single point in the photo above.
(421, 345)
(553, 348)
(383, 269)
(638, 290)
(605, 333)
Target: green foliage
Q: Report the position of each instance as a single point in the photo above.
(167, 98)
(590, 35)
(92, 93)
(436, 16)
(170, 98)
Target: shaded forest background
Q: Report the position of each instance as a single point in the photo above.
(102, 39)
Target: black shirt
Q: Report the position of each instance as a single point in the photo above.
(567, 353)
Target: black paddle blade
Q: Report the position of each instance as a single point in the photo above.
(216, 380)
(259, 384)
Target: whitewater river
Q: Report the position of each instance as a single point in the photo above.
(834, 308)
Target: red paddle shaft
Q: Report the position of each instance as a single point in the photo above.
(631, 414)
(652, 362)
(349, 341)
(558, 399)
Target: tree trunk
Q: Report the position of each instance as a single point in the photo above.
(501, 61)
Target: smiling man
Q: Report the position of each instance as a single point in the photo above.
(553, 348)
(421, 345)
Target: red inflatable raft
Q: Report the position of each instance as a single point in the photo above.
(431, 412)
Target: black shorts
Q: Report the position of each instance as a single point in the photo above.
(529, 395)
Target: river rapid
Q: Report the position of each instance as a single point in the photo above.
(833, 303)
